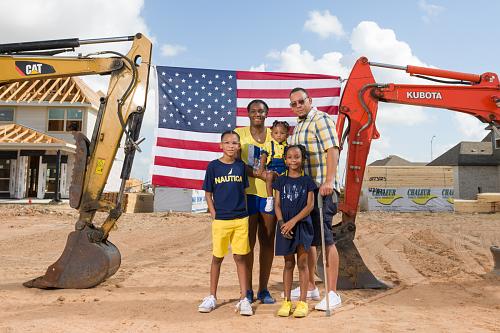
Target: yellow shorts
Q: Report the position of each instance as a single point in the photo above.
(226, 232)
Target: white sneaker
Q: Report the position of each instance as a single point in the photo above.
(269, 204)
(208, 304)
(311, 294)
(244, 307)
(334, 301)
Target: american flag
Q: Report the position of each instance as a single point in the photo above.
(197, 105)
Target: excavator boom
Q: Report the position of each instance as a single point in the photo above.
(477, 95)
(89, 257)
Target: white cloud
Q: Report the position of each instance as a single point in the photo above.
(259, 68)
(470, 127)
(378, 149)
(324, 24)
(169, 50)
(381, 45)
(397, 114)
(33, 20)
(294, 59)
(370, 40)
(30, 20)
(430, 10)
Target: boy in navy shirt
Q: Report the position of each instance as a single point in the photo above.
(224, 185)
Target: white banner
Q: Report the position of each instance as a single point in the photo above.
(198, 202)
(410, 199)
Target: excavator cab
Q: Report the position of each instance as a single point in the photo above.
(89, 257)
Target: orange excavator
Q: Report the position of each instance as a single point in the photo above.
(89, 257)
(477, 95)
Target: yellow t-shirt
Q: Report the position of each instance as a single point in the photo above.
(250, 150)
(279, 150)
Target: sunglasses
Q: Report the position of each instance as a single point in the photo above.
(297, 103)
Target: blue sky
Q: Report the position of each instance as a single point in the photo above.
(301, 36)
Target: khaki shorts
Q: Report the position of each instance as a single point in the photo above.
(230, 232)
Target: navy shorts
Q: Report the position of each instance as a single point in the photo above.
(256, 204)
(329, 210)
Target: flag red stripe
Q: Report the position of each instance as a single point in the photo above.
(187, 144)
(180, 163)
(287, 112)
(285, 93)
(246, 75)
(177, 182)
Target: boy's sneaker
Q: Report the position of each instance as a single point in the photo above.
(334, 301)
(311, 294)
(208, 304)
(301, 310)
(265, 297)
(244, 307)
(269, 204)
(250, 295)
(285, 309)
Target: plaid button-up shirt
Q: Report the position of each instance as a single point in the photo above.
(317, 132)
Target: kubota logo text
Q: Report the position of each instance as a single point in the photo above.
(27, 68)
(423, 95)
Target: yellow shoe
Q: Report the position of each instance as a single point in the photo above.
(301, 310)
(285, 309)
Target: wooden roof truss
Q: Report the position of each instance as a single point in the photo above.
(14, 133)
(62, 90)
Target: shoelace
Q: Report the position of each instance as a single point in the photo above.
(238, 305)
(301, 306)
(208, 299)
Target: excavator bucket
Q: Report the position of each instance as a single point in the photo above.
(353, 272)
(83, 263)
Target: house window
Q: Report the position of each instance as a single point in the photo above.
(497, 140)
(4, 175)
(6, 115)
(65, 120)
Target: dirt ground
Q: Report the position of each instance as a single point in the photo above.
(439, 265)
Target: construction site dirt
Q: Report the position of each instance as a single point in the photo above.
(439, 265)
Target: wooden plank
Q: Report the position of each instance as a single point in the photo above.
(6, 130)
(48, 90)
(26, 131)
(65, 83)
(67, 92)
(43, 137)
(39, 90)
(31, 136)
(76, 96)
(140, 203)
(17, 90)
(412, 176)
(473, 206)
(11, 86)
(14, 131)
(488, 197)
(27, 91)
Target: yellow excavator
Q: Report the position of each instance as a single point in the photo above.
(89, 257)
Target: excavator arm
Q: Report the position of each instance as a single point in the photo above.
(89, 257)
(477, 95)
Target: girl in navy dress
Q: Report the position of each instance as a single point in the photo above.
(294, 201)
